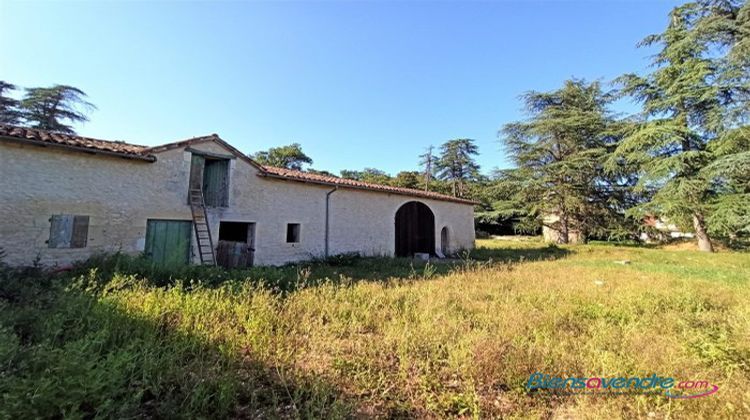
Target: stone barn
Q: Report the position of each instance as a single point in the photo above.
(65, 198)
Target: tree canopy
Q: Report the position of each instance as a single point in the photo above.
(457, 165)
(10, 109)
(687, 103)
(559, 153)
(289, 157)
(55, 108)
(371, 175)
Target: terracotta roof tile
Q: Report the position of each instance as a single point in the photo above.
(42, 137)
(350, 183)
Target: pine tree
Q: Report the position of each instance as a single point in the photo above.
(49, 108)
(427, 163)
(724, 27)
(456, 164)
(502, 206)
(559, 153)
(45, 108)
(729, 215)
(686, 102)
(10, 112)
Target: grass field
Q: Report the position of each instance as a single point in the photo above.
(378, 337)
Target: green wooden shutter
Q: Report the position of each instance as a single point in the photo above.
(216, 183)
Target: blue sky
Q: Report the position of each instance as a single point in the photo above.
(358, 84)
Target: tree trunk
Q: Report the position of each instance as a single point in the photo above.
(583, 234)
(704, 242)
(563, 236)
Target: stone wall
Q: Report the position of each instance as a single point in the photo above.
(552, 235)
(120, 195)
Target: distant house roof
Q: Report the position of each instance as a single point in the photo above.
(146, 153)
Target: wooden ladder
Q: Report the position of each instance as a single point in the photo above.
(202, 231)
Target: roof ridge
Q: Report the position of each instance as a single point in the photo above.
(346, 182)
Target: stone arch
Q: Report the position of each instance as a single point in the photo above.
(415, 229)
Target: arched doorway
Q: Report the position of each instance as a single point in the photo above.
(445, 241)
(415, 229)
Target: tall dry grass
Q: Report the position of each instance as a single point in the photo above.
(439, 341)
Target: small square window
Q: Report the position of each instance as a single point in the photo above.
(292, 233)
(68, 231)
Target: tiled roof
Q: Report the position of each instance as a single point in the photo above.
(350, 183)
(42, 137)
(134, 151)
(201, 139)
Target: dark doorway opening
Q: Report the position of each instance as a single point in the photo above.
(236, 246)
(211, 176)
(415, 230)
(233, 231)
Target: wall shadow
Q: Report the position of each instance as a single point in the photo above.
(542, 252)
(337, 269)
(66, 352)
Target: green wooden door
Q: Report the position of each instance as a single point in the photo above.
(216, 183)
(168, 241)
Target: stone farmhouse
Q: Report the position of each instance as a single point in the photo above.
(65, 198)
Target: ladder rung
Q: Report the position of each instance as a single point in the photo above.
(202, 230)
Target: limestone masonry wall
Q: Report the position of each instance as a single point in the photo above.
(120, 195)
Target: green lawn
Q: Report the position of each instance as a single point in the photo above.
(378, 337)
